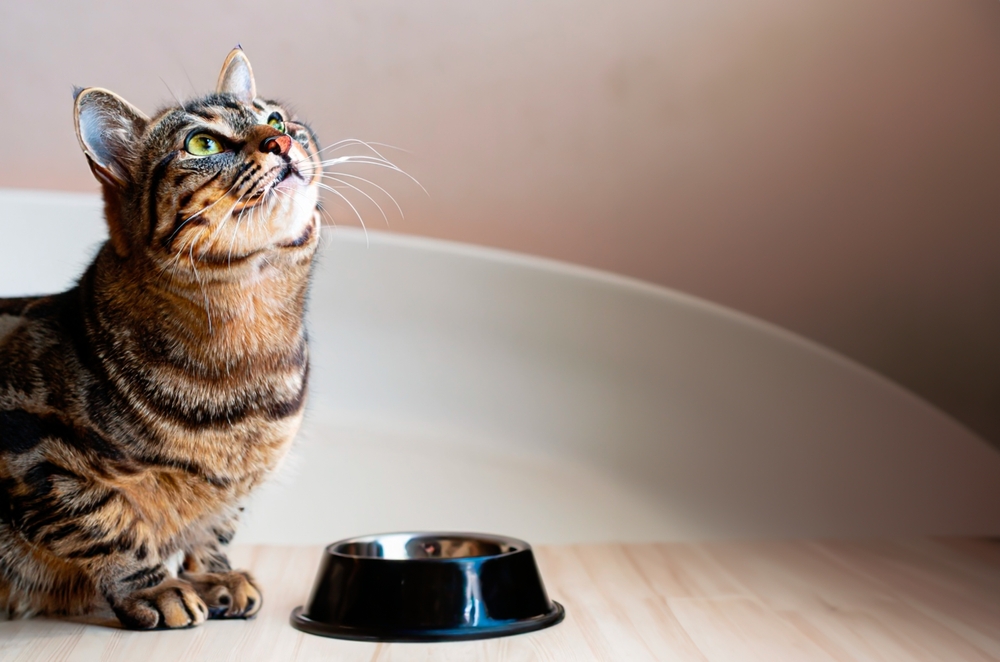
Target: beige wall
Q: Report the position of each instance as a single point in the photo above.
(832, 166)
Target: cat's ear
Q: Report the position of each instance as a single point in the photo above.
(108, 128)
(236, 77)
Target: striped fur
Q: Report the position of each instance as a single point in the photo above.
(140, 408)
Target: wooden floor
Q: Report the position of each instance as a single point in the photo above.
(876, 600)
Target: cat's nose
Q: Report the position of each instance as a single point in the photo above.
(276, 145)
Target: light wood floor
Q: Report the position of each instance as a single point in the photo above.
(875, 600)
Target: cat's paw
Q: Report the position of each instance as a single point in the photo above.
(233, 594)
(173, 603)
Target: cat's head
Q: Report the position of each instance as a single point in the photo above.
(214, 187)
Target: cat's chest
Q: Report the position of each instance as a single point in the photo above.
(234, 460)
(173, 496)
(167, 501)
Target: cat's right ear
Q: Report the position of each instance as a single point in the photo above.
(108, 128)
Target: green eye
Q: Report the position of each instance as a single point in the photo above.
(276, 121)
(202, 144)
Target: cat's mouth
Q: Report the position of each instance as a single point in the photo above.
(274, 180)
(285, 171)
(288, 171)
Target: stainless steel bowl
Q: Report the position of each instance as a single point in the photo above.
(427, 587)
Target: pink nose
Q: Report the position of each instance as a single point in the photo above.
(276, 145)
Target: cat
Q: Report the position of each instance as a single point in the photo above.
(141, 407)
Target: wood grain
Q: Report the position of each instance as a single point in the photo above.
(732, 601)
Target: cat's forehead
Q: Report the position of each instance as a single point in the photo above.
(215, 109)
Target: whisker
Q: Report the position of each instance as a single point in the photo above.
(338, 193)
(364, 194)
(197, 276)
(179, 102)
(210, 241)
(370, 160)
(201, 211)
(347, 142)
(220, 226)
(173, 263)
(398, 149)
(368, 181)
(236, 229)
(329, 216)
(327, 239)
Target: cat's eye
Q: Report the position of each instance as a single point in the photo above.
(202, 144)
(276, 121)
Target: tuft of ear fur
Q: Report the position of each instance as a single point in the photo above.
(236, 77)
(108, 128)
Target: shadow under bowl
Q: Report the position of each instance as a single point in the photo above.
(427, 587)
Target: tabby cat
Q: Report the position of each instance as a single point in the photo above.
(140, 408)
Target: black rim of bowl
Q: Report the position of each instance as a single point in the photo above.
(306, 624)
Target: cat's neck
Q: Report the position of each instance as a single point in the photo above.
(215, 324)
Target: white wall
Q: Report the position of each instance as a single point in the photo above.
(830, 166)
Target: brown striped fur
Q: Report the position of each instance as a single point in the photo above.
(140, 408)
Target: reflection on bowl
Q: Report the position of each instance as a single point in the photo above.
(427, 587)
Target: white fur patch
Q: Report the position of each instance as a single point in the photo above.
(7, 324)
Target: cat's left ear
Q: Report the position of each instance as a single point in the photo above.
(236, 77)
(108, 128)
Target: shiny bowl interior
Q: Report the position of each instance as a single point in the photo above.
(410, 546)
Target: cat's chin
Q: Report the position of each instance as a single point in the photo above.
(303, 239)
(303, 226)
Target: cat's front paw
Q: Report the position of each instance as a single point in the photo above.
(173, 603)
(232, 594)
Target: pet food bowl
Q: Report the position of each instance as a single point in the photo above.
(427, 587)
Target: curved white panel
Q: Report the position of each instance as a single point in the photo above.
(466, 388)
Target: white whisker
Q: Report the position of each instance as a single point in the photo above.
(200, 212)
(370, 160)
(236, 229)
(197, 277)
(368, 181)
(347, 142)
(381, 211)
(338, 193)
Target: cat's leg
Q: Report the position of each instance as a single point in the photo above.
(133, 580)
(86, 536)
(136, 583)
(228, 593)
